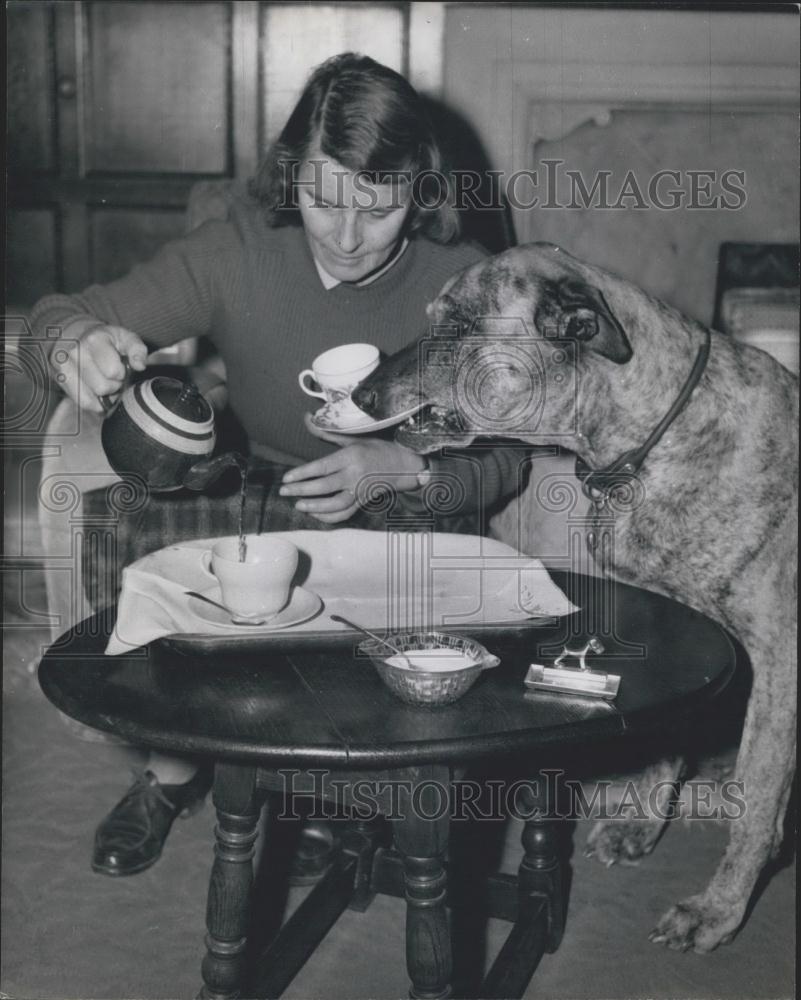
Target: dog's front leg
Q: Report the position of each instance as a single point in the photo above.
(765, 766)
(633, 833)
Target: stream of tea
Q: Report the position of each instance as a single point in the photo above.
(242, 465)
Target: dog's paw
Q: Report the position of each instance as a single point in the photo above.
(622, 841)
(695, 924)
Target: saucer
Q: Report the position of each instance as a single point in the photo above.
(303, 604)
(327, 419)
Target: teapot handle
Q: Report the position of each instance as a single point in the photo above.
(106, 401)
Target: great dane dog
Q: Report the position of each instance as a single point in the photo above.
(709, 428)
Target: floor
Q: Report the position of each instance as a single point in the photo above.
(68, 933)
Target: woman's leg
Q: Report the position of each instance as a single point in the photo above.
(171, 770)
(131, 837)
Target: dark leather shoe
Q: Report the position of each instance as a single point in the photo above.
(314, 853)
(130, 839)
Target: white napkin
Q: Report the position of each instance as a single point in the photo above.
(150, 607)
(388, 581)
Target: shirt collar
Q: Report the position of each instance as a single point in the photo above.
(330, 282)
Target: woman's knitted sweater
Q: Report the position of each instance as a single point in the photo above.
(255, 291)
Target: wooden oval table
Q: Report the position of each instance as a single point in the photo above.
(304, 714)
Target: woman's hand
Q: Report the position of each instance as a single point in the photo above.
(92, 366)
(331, 483)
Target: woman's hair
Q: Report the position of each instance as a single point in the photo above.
(371, 120)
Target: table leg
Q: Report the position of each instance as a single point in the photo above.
(420, 829)
(541, 871)
(228, 907)
(540, 898)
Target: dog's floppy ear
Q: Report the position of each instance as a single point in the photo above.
(585, 316)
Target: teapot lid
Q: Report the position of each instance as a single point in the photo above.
(181, 399)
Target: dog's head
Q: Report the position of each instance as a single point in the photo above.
(501, 358)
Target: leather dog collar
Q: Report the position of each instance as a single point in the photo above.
(597, 484)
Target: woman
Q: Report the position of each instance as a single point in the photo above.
(333, 245)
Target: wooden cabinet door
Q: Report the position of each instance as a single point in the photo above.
(34, 266)
(117, 108)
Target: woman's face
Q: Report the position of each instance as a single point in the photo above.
(352, 226)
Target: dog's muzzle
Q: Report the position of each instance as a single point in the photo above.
(366, 399)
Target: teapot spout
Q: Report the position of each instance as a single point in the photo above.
(208, 470)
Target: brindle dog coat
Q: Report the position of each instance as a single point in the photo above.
(716, 528)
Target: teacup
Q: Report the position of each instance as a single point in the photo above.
(257, 588)
(339, 370)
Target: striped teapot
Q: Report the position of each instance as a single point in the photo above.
(162, 429)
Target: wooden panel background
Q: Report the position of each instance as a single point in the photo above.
(30, 83)
(379, 32)
(673, 254)
(32, 253)
(119, 237)
(116, 109)
(690, 89)
(157, 87)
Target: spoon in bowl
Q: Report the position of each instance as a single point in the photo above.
(372, 635)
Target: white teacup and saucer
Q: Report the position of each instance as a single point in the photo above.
(337, 372)
(256, 591)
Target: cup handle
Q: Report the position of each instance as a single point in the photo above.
(205, 562)
(302, 383)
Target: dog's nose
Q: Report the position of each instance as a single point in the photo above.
(365, 398)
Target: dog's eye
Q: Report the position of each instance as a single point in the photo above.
(582, 325)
